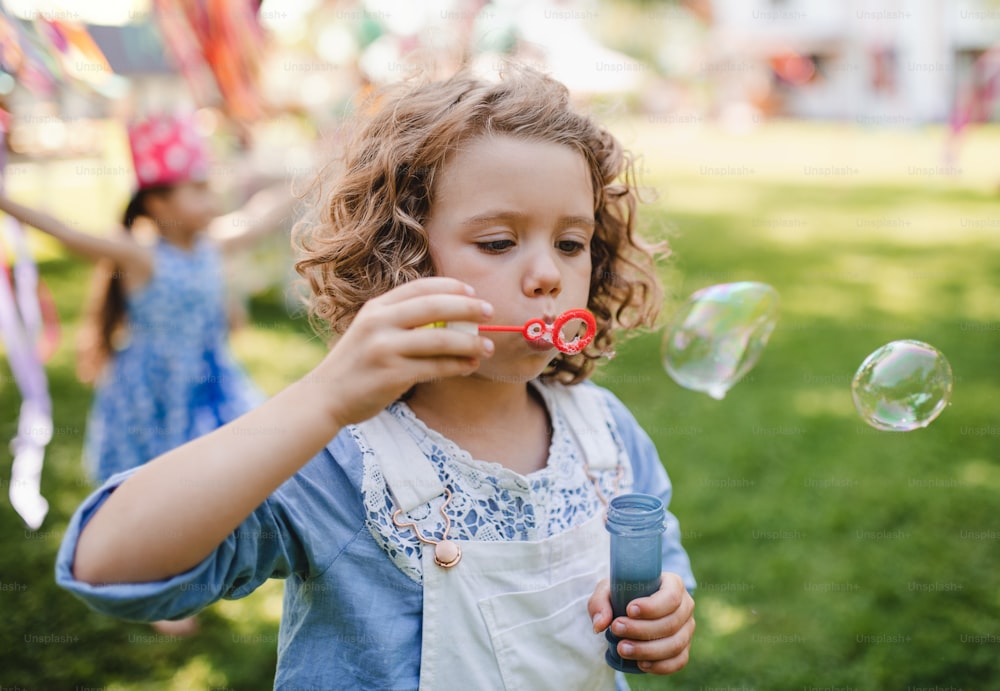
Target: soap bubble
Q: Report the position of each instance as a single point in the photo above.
(719, 334)
(902, 386)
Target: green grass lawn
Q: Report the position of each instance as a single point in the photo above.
(828, 554)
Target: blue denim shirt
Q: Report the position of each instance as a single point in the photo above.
(351, 619)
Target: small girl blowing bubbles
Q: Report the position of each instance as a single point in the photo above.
(434, 498)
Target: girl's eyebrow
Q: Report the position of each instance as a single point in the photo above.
(516, 217)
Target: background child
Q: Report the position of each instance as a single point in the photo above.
(451, 534)
(156, 345)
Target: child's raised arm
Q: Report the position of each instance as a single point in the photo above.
(268, 211)
(122, 249)
(174, 511)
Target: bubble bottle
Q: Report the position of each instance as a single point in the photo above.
(636, 522)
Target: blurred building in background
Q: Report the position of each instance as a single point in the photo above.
(880, 62)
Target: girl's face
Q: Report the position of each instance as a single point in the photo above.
(514, 218)
(187, 209)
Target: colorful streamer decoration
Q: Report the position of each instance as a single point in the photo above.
(78, 55)
(21, 58)
(225, 37)
(46, 52)
(29, 332)
(216, 44)
(11, 54)
(22, 323)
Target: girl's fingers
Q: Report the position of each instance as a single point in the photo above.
(651, 629)
(661, 656)
(386, 346)
(385, 351)
(433, 300)
(427, 309)
(433, 342)
(426, 286)
(599, 606)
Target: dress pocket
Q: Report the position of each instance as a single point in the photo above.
(543, 639)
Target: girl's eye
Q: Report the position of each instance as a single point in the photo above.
(570, 246)
(495, 246)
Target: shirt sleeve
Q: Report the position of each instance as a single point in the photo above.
(273, 542)
(650, 477)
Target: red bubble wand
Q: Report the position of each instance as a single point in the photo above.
(536, 330)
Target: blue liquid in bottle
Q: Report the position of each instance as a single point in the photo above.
(635, 522)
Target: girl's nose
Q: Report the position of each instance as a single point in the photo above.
(542, 276)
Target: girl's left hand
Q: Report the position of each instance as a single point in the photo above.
(658, 629)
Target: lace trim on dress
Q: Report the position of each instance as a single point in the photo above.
(489, 501)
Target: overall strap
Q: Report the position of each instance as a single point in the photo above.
(408, 473)
(413, 481)
(588, 417)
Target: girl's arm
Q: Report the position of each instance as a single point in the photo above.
(122, 249)
(174, 511)
(268, 211)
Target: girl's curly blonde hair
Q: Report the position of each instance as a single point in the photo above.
(367, 235)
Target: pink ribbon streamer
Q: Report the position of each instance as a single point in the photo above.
(20, 328)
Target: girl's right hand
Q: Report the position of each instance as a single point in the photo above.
(139, 535)
(385, 352)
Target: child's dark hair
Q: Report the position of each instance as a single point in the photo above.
(106, 309)
(369, 235)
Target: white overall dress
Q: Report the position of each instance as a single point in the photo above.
(509, 615)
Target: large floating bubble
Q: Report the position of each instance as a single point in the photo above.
(902, 386)
(718, 335)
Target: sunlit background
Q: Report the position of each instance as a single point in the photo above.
(845, 153)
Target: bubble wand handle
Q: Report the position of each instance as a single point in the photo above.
(500, 327)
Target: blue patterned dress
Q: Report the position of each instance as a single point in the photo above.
(175, 379)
